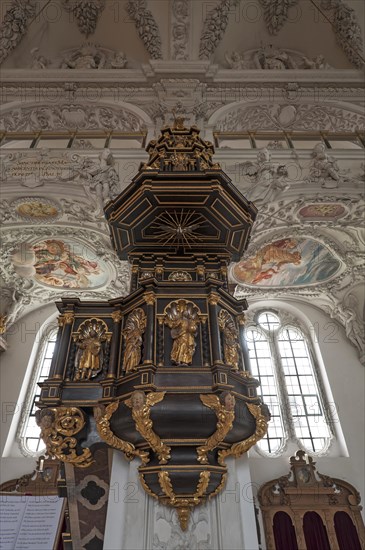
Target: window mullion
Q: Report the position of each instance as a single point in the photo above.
(282, 391)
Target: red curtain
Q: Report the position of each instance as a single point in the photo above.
(346, 533)
(284, 532)
(315, 532)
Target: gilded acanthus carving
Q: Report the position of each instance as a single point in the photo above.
(262, 417)
(134, 328)
(223, 406)
(75, 115)
(141, 408)
(90, 339)
(347, 29)
(86, 13)
(178, 276)
(182, 317)
(102, 417)
(14, 25)
(146, 26)
(231, 345)
(214, 27)
(183, 506)
(276, 13)
(58, 426)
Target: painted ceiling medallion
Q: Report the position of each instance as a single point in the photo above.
(36, 209)
(286, 263)
(322, 211)
(61, 264)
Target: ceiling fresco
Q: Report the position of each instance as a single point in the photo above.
(287, 263)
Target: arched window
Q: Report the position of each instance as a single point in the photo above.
(28, 435)
(282, 360)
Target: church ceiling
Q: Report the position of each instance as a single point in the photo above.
(79, 106)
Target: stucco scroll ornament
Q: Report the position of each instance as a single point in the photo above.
(262, 417)
(347, 29)
(14, 25)
(102, 415)
(223, 406)
(134, 328)
(183, 506)
(86, 12)
(180, 28)
(146, 26)
(58, 426)
(230, 338)
(18, 299)
(214, 28)
(269, 179)
(141, 404)
(276, 13)
(353, 325)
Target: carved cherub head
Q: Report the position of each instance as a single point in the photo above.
(45, 418)
(228, 400)
(138, 399)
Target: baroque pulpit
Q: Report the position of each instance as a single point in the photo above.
(160, 374)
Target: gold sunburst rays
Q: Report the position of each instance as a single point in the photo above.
(178, 227)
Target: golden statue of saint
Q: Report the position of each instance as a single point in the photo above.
(230, 338)
(182, 319)
(89, 361)
(134, 328)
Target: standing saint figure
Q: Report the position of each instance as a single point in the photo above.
(90, 355)
(134, 328)
(182, 318)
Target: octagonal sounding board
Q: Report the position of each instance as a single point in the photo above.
(180, 202)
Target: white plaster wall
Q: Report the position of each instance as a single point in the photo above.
(14, 379)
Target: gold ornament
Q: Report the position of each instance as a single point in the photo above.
(178, 276)
(141, 405)
(149, 298)
(134, 328)
(89, 339)
(3, 324)
(117, 316)
(66, 319)
(58, 426)
(237, 449)
(183, 506)
(223, 407)
(182, 317)
(213, 299)
(102, 417)
(230, 338)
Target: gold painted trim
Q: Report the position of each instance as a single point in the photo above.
(225, 420)
(237, 449)
(102, 417)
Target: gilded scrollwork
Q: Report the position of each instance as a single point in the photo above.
(102, 416)
(90, 341)
(58, 426)
(237, 449)
(178, 276)
(183, 506)
(141, 408)
(182, 317)
(134, 328)
(230, 338)
(223, 406)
